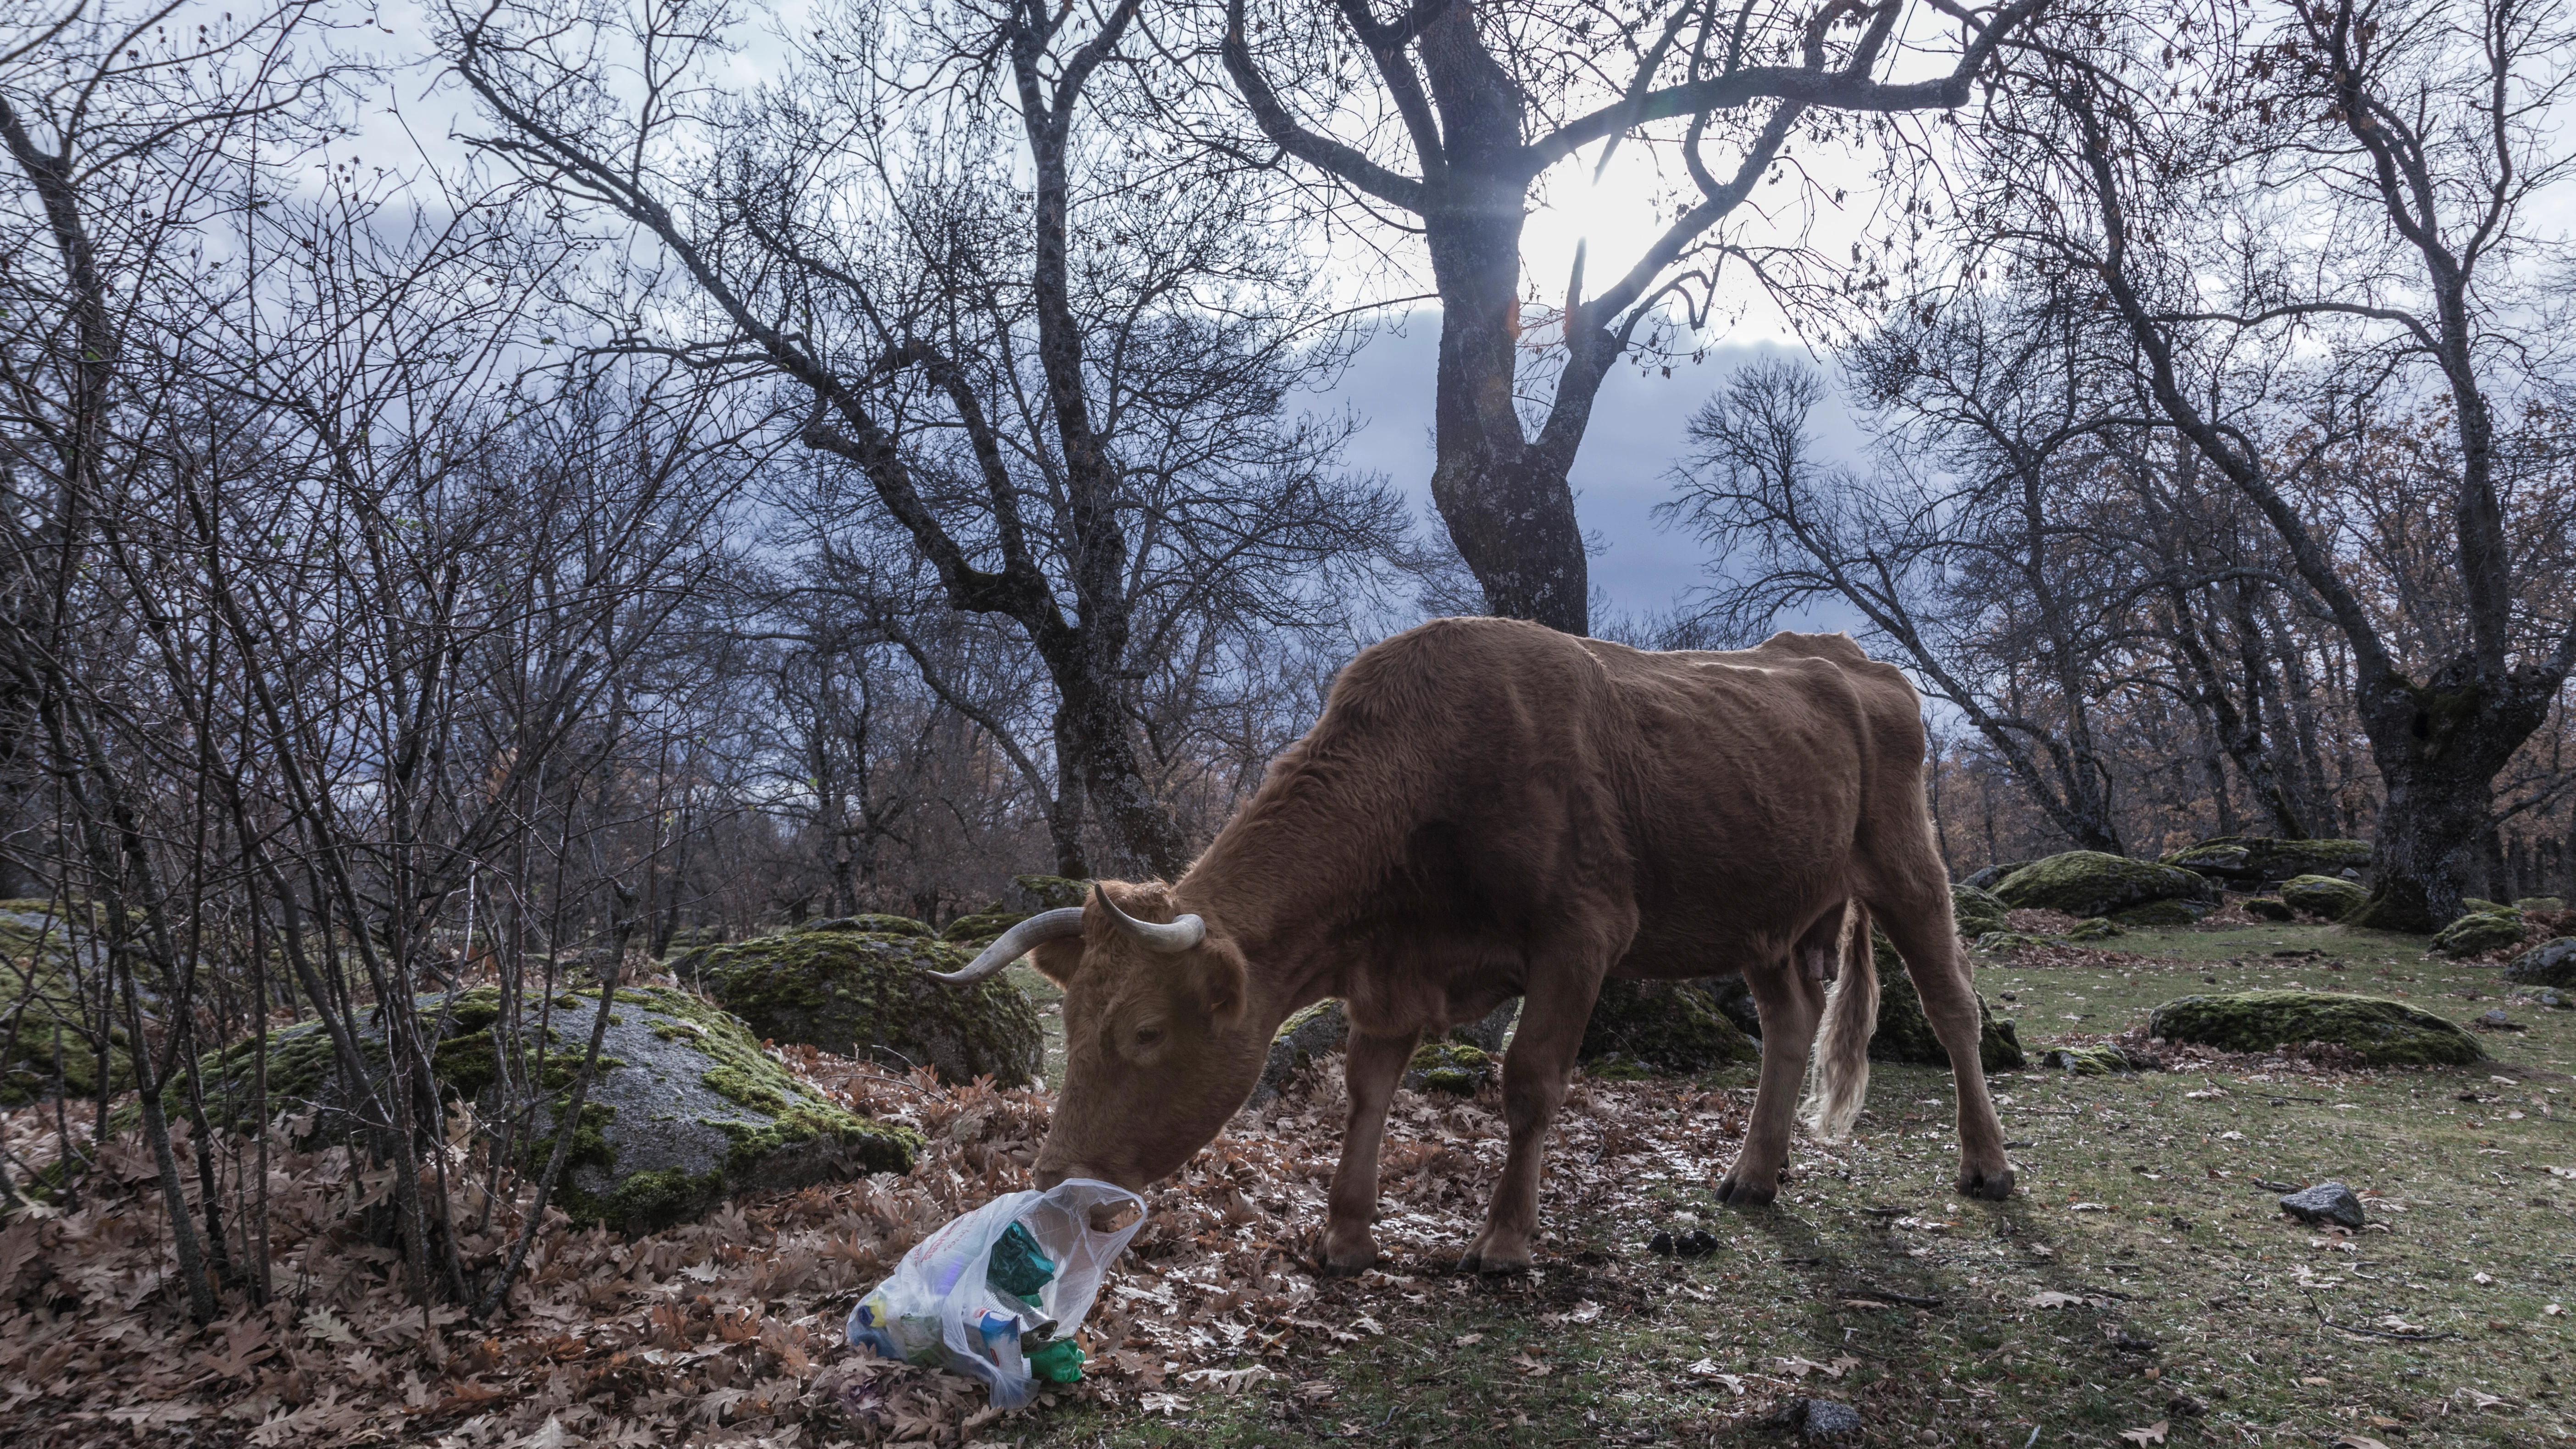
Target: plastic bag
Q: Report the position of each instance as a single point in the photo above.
(956, 1301)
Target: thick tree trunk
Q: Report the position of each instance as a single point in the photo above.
(2438, 749)
(1508, 507)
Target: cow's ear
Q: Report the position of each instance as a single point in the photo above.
(1058, 959)
(1222, 977)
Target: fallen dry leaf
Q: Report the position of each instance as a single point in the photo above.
(2152, 1434)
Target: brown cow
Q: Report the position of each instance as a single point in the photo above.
(1490, 809)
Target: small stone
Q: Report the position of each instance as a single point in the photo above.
(1661, 1245)
(1824, 1421)
(2495, 1020)
(2327, 1202)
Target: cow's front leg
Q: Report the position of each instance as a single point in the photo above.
(1371, 1067)
(1790, 1003)
(1535, 1071)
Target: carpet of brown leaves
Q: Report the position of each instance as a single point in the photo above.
(728, 1331)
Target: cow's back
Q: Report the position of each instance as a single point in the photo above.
(1522, 775)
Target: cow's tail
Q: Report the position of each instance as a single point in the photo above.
(1838, 1070)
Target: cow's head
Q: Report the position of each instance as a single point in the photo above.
(1158, 1048)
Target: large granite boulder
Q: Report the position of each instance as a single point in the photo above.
(2479, 932)
(1905, 1034)
(685, 1110)
(2323, 895)
(867, 994)
(2085, 883)
(2252, 862)
(2551, 963)
(2385, 1033)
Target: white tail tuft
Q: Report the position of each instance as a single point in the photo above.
(1838, 1069)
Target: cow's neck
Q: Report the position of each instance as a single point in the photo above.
(1281, 879)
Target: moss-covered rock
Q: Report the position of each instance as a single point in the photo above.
(1993, 875)
(2270, 908)
(1035, 893)
(1308, 1033)
(1660, 1026)
(2090, 883)
(2088, 1061)
(2479, 932)
(2385, 1033)
(2099, 928)
(48, 970)
(1976, 911)
(2247, 862)
(2552, 963)
(1734, 996)
(2546, 905)
(684, 1112)
(2163, 913)
(867, 994)
(2323, 895)
(981, 927)
(1905, 1034)
(1449, 1066)
(2011, 940)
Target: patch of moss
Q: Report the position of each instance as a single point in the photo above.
(2384, 1032)
(2100, 928)
(648, 1201)
(37, 944)
(1449, 1066)
(870, 923)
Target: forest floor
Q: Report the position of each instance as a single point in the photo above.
(2144, 1289)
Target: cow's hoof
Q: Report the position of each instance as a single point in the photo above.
(1493, 1265)
(1993, 1185)
(1348, 1262)
(1733, 1193)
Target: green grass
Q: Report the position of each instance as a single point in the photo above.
(2185, 1252)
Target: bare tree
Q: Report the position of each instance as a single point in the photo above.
(1476, 104)
(2361, 176)
(1066, 400)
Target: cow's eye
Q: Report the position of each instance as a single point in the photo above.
(1148, 1035)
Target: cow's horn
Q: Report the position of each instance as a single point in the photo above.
(1169, 940)
(1015, 943)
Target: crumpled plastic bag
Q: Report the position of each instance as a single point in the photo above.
(943, 1307)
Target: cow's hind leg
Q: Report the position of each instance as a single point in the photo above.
(1371, 1068)
(1917, 922)
(1790, 1001)
(1535, 1071)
